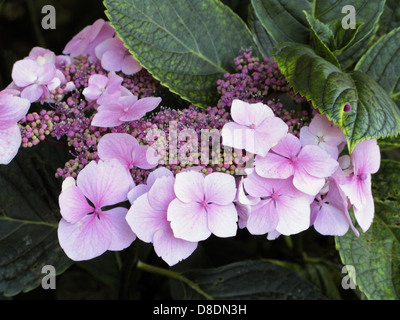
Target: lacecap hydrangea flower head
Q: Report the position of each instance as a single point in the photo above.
(142, 171)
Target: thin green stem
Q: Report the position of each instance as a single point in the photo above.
(173, 275)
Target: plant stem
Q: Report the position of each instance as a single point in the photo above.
(173, 275)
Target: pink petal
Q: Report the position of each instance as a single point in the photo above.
(32, 93)
(12, 109)
(249, 114)
(273, 166)
(263, 218)
(307, 183)
(112, 60)
(107, 116)
(117, 146)
(104, 183)
(73, 204)
(10, 141)
(85, 239)
(46, 73)
(110, 44)
(24, 72)
(162, 193)
(306, 137)
(171, 249)
(319, 124)
(121, 234)
(329, 220)
(144, 220)
(144, 157)
(140, 108)
(137, 191)
(130, 65)
(317, 162)
(188, 220)
(237, 136)
(158, 173)
(257, 186)
(294, 214)
(222, 219)
(366, 157)
(189, 186)
(219, 188)
(268, 134)
(288, 146)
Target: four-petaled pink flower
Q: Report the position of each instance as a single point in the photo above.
(12, 109)
(148, 219)
(366, 159)
(127, 150)
(323, 133)
(114, 56)
(126, 108)
(86, 41)
(255, 128)
(282, 208)
(87, 230)
(204, 205)
(309, 165)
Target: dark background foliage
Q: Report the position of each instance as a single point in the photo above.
(313, 256)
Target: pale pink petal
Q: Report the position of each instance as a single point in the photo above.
(85, 239)
(273, 166)
(73, 204)
(289, 146)
(258, 186)
(219, 188)
(10, 141)
(144, 220)
(140, 108)
(144, 157)
(263, 218)
(316, 161)
(306, 137)
(158, 173)
(329, 220)
(12, 109)
(107, 116)
(104, 183)
(365, 215)
(294, 214)
(249, 114)
(24, 72)
(268, 134)
(188, 220)
(222, 219)
(189, 186)
(137, 191)
(237, 136)
(307, 183)
(110, 44)
(334, 136)
(117, 146)
(171, 249)
(46, 73)
(112, 60)
(121, 234)
(366, 157)
(130, 65)
(162, 193)
(319, 124)
(32, 93)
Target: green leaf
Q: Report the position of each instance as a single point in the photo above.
(262, 38)
(375, 255)
(386, 182)
(186, 44)
(373, 114)
(249, 279)
(284, 19)
(381, 62)
(390, 18)
(29, 216)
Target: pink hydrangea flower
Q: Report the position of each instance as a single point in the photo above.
(255, 128)
(281, 208)
(126, 108)
(103, 89)
(366, 159)
(126, 149)
(87, 231)
(35, 80)
(323, 133)
(309, 165)
(12, 109)
(86, 41)
(115, 57)
(329, 212)
(204, 205)
(148, 219)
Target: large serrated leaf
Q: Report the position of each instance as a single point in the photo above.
(246, 280)
(29, 216)
(373, 113)
(186, 44)
(375, 255)
(381, 62)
